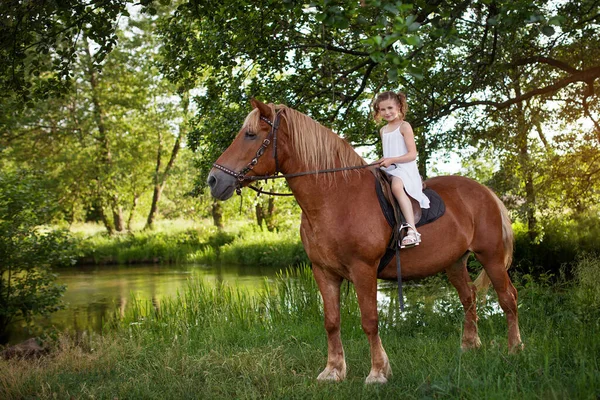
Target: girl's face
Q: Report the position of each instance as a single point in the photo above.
(389, 110)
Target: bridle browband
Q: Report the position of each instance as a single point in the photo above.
(272, 138)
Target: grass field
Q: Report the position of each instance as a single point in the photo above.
(189, 242)
(215, 343)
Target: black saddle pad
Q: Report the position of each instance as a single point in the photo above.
(436, 209)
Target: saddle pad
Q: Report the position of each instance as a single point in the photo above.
(436, 209)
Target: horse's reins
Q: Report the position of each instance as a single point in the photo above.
(272, 138)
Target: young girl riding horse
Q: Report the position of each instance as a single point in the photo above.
(399, 160)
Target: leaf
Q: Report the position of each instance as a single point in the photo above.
(392, 74)
(389, 39)
(391, 8)
(557, 20)
(412, 40)
(321, 17)
(548, 30)
(377, 56)
(414, 26)
(416, 72)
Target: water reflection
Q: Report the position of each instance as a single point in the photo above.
(94, 294)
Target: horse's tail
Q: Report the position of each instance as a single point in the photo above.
(483, 281)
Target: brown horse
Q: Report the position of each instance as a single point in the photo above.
(345, 233)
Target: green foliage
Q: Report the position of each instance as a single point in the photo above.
(27, 251)
(39, 40)
(140, 247)
(246, 245)
(107, 142)
(587, 277)
(257, 246)
(558, 246)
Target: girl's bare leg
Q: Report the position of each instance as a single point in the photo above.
(403, 200)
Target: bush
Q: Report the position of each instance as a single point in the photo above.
(558, 246)
(28, 252)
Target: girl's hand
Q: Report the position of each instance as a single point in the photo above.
(385, 162)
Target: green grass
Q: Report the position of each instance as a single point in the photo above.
(220, 342)
(202, 243)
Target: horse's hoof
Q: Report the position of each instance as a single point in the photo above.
(380, 377)
(376, 379)
(331, 375)
(516, 348)
(470, 344)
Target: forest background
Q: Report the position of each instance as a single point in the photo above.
(112, 111)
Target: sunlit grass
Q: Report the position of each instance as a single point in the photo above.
(191, 242)
(223, 342)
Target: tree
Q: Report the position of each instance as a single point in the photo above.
(160, 177)
(103, 138)
(40, 39)
(28, 252)
(329, 58)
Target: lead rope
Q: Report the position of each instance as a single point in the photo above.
(399, 272)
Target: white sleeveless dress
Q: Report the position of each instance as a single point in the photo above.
(395, 146)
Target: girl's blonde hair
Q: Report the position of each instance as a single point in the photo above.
(399, 98)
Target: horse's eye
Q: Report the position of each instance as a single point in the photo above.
(250, 135)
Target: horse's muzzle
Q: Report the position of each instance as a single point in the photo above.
(221, 184)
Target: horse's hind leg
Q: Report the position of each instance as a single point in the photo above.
(459, 277)
(329, 286)
(507, 297)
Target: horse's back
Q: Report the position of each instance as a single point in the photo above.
(476, 206)
(464, 195)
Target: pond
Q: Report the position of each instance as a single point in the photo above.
(95, 293)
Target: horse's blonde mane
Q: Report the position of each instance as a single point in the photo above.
(316, 146)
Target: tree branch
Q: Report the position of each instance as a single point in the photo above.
(545, 60)
(332, 48)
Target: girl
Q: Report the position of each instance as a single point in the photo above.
(399, 160)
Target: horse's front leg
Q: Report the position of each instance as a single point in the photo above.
(366, 290)
(329, 286)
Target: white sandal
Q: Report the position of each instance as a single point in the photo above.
(412, 238)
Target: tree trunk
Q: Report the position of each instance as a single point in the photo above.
(106, 183)
(118, 218)
(270, 217)
(160, 179)
(523, 129)
(260, 214)
(107, 223)
(423, 154)
(134, 205)
(154, 207)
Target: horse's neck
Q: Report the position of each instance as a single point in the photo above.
(316, 194)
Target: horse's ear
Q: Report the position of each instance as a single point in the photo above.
(265, 110)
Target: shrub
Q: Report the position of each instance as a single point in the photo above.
(28, 252)
(556, 249)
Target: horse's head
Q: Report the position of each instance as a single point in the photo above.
(250, 153)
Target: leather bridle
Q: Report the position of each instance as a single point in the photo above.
(243, 176)
(272, 137)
